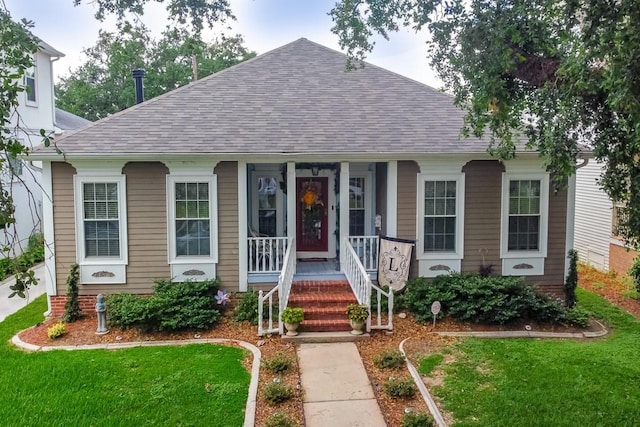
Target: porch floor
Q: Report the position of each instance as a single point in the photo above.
(318, 269)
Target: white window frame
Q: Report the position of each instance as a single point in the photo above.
(92, 268)
(197, 260)
(544, 215)
(31, 73)
(266, 172)
(368, 200)
(458, 254)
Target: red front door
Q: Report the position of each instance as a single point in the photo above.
(312, 219)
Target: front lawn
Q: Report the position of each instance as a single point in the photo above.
(191, 385)
(524, 382)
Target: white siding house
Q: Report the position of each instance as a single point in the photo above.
(36, 111)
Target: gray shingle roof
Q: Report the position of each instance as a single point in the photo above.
(68, 121)
(294, 99)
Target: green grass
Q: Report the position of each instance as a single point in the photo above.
(519, 382)
(429, 363)
(138, 386)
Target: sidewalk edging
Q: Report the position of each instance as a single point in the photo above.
(250, 408)
(528, 334)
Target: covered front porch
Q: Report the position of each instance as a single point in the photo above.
(314, 208)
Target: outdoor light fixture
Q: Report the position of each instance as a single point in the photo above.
(315, 170)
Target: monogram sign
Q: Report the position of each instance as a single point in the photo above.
(394, 262)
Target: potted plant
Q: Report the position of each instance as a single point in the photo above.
(292, 317)
(357, 314)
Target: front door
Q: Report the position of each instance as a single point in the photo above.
(312, 214)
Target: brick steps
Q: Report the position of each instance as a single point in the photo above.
(324, 304)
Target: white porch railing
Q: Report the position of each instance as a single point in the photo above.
(282, 290)
(366, 248)
(362, 287)
(266, 254)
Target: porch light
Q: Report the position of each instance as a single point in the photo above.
(315, 170)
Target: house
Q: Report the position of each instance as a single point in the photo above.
(286, 164)
(596, 216)
(35, 111)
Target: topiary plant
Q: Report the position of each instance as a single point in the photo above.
(572, 280)
(72, 306)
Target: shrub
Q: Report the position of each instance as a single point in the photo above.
(428, 364)
(277, 364)
(277, 392)
(578, 317)
(247, 308)
(292, 315)
(400, 387)
(389, 359)
(470, 297)
(173, 306)
(33, 254)
(72, 306)
(571, 283)
(417, 419)
(280, 419)
(56, 331)
(357, 312)
(634, 272)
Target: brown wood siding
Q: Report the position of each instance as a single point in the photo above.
(147, 227)
(553, 279)
(406, 213)
(483, 183)
(64, 221)
(228, 263)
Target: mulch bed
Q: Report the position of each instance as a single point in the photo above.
(422, 342)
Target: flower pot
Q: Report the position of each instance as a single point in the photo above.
(292, 329)
(357, 326)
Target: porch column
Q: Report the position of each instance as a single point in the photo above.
(392, 198)
(291, 202)
(243, 248)
(344, 209)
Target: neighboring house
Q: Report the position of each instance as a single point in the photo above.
(288, 153)
(35, 111)
(595, 236)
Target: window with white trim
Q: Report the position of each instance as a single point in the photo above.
(101, 219)
(192, 219)
(525, 215)
(30, 83)
(357, 209)
(440, 216)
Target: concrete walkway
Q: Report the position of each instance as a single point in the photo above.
(11, 305)
(337, 391)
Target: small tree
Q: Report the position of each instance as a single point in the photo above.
(72, 306)
(572, 279)
(634, 272)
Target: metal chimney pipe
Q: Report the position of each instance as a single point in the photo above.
(138, 78)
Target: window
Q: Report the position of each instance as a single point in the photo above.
(101, 219)
(525, 212)
(30, 83)
(192, 219)
(267, 205)
(15, 165)
(524, 215)
(357, 206)
(439, 216)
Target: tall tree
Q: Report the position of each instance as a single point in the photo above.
(556, 74)
(103, 84)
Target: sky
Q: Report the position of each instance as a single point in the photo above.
(265, 25)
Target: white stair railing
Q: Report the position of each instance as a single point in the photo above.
(362, 287)
(366, 247)
(266, 254)
(282, 290)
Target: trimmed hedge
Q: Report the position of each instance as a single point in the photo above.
(470, 297)
(173, 306)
